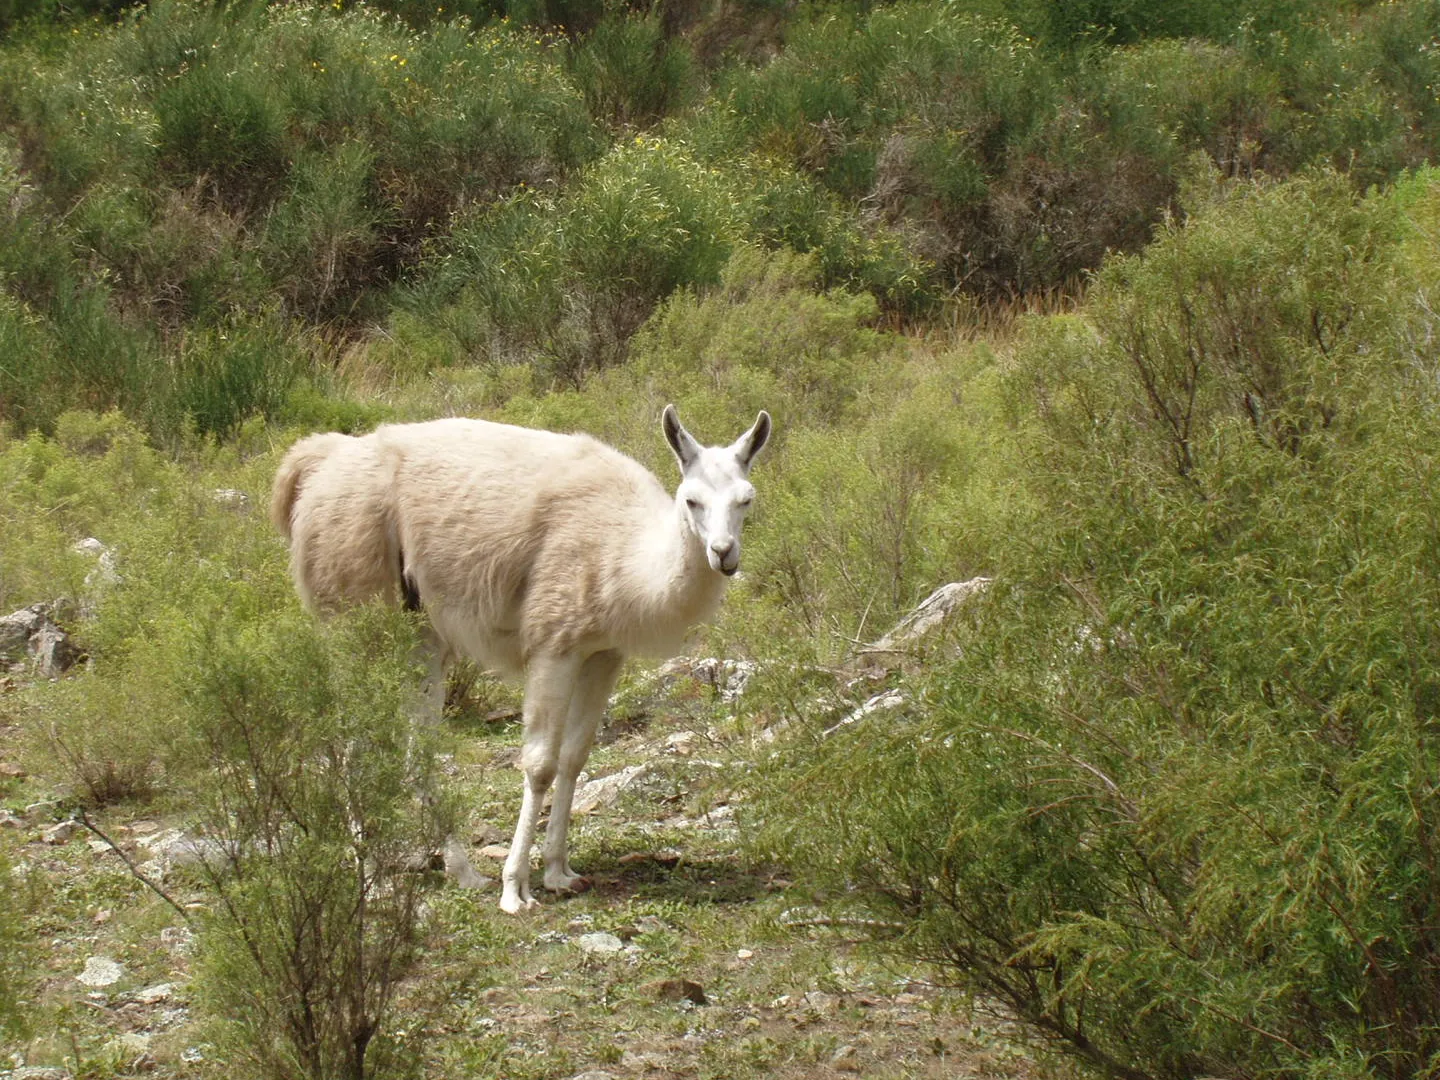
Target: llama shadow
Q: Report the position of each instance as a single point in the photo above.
(670, 877)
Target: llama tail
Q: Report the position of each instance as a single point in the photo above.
(299, 463)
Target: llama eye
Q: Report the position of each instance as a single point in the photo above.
(693, 504)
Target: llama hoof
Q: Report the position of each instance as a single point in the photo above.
(458, 868)
(513, 905)
(568, 883)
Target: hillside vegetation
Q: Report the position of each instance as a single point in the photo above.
(1129, 307)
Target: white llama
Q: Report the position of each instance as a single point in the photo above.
(539, 555)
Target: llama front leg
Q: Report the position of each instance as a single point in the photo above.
(592, 691)
(549, 688)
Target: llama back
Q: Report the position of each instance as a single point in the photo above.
(333, 500)
(517, 530)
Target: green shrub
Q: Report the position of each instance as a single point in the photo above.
(311, 801)
(326, 145)
(16, 955)
(96, 473)
(571, 277)
(1172, 805)
(1166, 99)
(629, 72)
(224, 376)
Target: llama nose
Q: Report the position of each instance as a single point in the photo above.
(725, 555)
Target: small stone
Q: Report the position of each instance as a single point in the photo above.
(593, 1074)
(681, 742)
(496, 851)
(153, 995)
(676, 990)
(60, 833)
(744, 954)
(144, 827)
(40, 809)
(599, 943)
(10, 771)
(846, 1060)
(10, 821)
(232, 498)
(39, 1072)
(606, 790)
(101, 917)
(177, 938)
(100, 971)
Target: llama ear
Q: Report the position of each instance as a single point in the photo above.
(753, 441)
(681, 441)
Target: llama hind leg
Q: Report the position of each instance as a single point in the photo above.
(428, 711)
(549, 687)
(597, 679)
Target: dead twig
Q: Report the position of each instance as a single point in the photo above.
(134, 870)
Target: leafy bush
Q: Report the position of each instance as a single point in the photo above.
(629, 72)
(16, 954)
(95, 474)
(311, 802)
(1173, 804)
(573, 276)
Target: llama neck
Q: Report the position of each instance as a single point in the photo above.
(671, 577)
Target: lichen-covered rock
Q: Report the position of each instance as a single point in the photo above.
(929, 615)
(31, 634)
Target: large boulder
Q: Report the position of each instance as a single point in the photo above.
(30, 635)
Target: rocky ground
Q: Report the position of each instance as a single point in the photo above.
(686, 957)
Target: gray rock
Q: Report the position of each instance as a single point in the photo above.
(15, 631)
(31, 634)
(153, 995)
(929, 614)
(890, 699)
(100, 971)
(231, 498)
(60, 833)
(39, 1072)
(104, 573)
(599, 943)
(606, 790)
(52, 651)
(728, 677)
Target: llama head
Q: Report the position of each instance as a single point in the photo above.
(715, 492)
